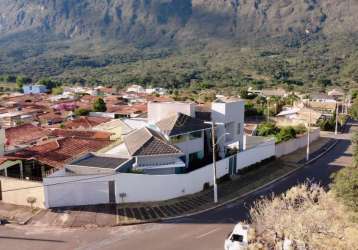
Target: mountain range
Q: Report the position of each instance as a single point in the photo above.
(49, 37)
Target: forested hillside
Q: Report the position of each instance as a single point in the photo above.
(177, 42)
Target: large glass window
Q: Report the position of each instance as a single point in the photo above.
(195, 135)
(179, 139)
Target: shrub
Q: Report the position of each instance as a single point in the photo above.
(285, 134)
(345, 183)
(300, 129)
(306, 215)
(82, 112)
(267, 129)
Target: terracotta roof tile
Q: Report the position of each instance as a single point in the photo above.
(59, 152)
(81, 134)
(25, 134)
(85, 122)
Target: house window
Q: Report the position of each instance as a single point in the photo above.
(238, 128)
(195, 135)
(179, 139)
(197, 156)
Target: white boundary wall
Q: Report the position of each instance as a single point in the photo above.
(16, 191)
(256, 154)
(61, 190)
(288, 147)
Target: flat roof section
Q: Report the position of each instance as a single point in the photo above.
(100, 162)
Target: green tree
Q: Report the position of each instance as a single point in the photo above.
(49, 83)
(99, 105)
(21, 81)
(354, 109)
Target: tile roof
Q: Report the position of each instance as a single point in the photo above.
(25, 134)
(146, 141)
(85, 122)
(181, 124)
(81, 134)
(57, 153)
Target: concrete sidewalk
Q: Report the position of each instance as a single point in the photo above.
(112, 215)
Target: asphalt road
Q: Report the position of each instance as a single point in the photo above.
(201, 232)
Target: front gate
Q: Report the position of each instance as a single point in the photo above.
(232, 165)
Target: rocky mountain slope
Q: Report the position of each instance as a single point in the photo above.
(51, 29)
(152, 21)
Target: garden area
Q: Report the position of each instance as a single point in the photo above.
(269, 129)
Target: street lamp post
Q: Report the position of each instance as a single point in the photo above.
(337, 113)
(215, 142)
(214, 163)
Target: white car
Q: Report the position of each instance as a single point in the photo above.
(238, 239)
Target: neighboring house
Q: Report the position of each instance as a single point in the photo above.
(10, 167)
(269, 92)
(336, 94)
(52, 118)
(188, 134)
(136, 89)
(84, 122)
(87, 134)
(12, 119)
(160, 91)
(42, 160)
(34, 89)
(153, 153)
(116, 127)
(322, 97)
(23, 136)
(296, 116)
(92, 164)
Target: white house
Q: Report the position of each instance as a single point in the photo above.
(136, 89)
(153, 153)
(228, 116)
(34, 89)
(188, 134)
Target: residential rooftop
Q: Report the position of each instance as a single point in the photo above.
(147, 142)
(100, 162)
(179, 124)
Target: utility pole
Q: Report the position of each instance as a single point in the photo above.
(308, 133)
(214, 162)
(337, 113)
(268, 109)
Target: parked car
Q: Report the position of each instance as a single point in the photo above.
(238, 239)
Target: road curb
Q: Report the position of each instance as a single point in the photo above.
(247, 193)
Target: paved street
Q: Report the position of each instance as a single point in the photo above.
(202, 232)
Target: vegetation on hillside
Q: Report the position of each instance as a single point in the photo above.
(307, 216)
(346, 180)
